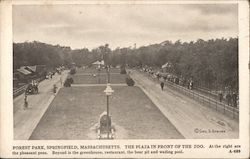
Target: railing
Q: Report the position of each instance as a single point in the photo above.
(206, 90)
(205, 100)
(218, 106)
(20, 90)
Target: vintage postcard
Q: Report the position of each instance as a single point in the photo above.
(124, 79)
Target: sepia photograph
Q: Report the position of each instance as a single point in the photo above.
(124, 79)
(111, 71)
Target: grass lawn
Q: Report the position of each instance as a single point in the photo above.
(91, 76)
(94, 70)
(102, 79)
(75, 111)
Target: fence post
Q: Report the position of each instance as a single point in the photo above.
(233, 112)
(209, 96)
(216, 105)
(224, 108)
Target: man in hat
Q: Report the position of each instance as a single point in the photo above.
(25, 101)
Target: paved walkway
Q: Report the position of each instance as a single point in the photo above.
(192, 120)
(26, 120)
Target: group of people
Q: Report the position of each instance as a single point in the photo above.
(189, 83)
(32, 87)
(231, 98)
(50, 75)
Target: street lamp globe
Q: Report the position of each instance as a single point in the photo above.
(108, 91)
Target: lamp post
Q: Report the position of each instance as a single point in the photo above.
(99, 69)
(108, 91)
(108, 73)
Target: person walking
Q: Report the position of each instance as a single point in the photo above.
(25, 101)
(162, 85)
(228, 97)
(54, 89)
(234, 100)
(191, 84)
(61, 81)
(220, 96)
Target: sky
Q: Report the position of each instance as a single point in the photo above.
(89, 26)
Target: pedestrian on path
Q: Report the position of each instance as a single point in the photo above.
(234, 100)
(25, 101)
(162, 85)
(228, 97)
(220, 96)
(54, 89)
(61, 80)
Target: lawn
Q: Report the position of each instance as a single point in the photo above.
(99, 79)
(75, 110)
(92, 76)
(94, 70)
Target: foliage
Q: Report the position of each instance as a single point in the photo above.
(80, 56)
(71, 80)
(212, 63)
(72, 71)
(130, 81)
(37, 53)
(123, 70)
(68, 82)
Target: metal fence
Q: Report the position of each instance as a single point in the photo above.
(20, 90)
(204, 99)
(212, 94)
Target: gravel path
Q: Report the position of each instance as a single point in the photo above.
(26, 120)
(192, 119)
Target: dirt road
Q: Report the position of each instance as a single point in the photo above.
(26, 120)
(192, 120)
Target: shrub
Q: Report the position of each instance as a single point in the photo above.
(123, 70)
(130, 81)
(67, 83)
(72, 71)
(71, 80)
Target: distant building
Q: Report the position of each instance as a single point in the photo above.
(98, 63)
(37, 69)
(23, 70)
(167, 67)
(21, 75)
(26, 73)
